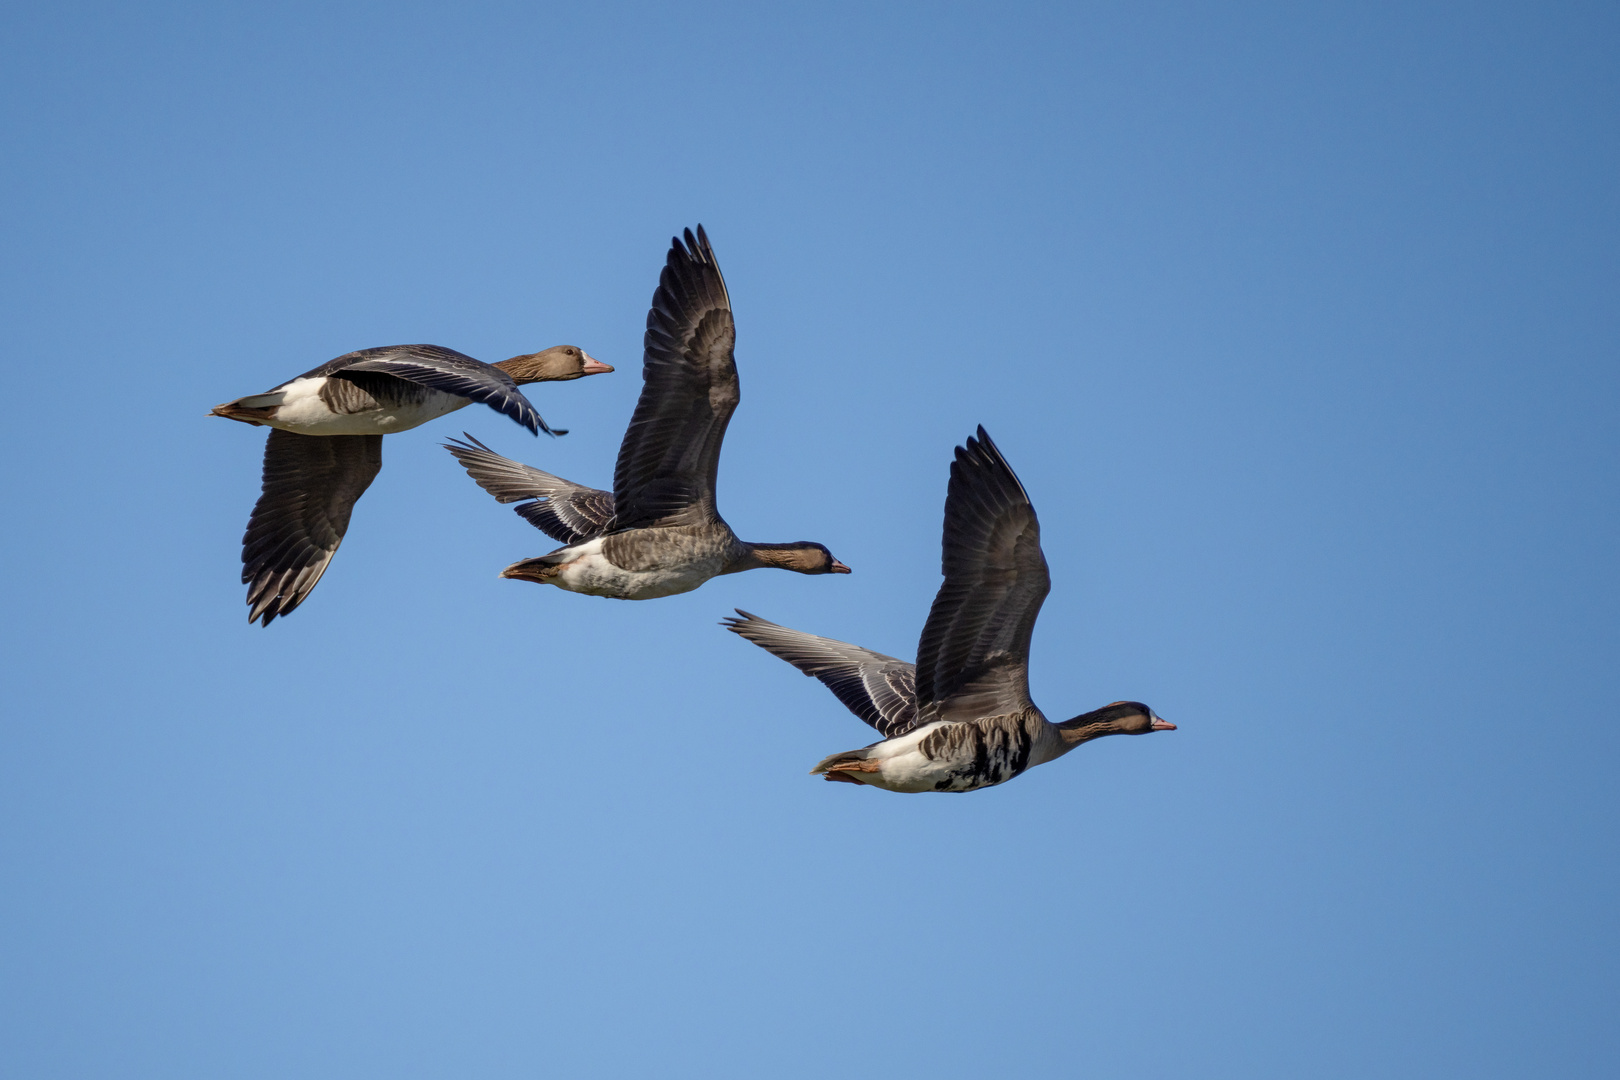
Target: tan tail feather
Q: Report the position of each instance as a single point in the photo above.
(232, 411)
(535, 570)
(845, 763)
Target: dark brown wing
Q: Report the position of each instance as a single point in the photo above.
(671, 452)
(311, 483)
(439, 368)
(881, 690)
(563, 510)
(973, 659)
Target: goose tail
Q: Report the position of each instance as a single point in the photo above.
(838, 766)
(253, 409)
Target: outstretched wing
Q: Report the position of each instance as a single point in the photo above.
(671, 452)
(455, 373)
(563, 510)
(311, 483)
(879, 689)
(973, 659)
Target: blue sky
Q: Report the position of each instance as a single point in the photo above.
(1299, 325)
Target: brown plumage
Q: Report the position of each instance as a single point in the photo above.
(325, 447)
(659, 531)
(960, 718)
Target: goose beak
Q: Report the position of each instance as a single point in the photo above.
(1161, 724)
(593, 366)
(838, 568)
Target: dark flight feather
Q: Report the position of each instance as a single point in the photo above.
(670, 455)
(310, 486)
(881, 690)
(973, 657)
(446, 370)
(563, 510)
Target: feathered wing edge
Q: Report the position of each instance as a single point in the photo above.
(565, 511)
(879, 689)
(973, 656)
(310, 486)
(492, 387)
(669, 459)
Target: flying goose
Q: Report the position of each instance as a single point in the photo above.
(325, 446)
(658, 532)
(960, 718)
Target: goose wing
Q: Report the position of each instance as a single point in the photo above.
(311, 483)
(563, 510)
(671, 452)
(438, 368)
(879, 689)
(973, 658)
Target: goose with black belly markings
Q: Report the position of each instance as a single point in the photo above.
(325, 446)
(960, 718)
(658, 532)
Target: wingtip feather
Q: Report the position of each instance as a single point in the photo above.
(737, 623)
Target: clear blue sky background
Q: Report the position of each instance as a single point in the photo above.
(1299, 324)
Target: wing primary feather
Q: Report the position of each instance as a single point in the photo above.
(973, 656)
(563, 510)
(451, 372)
(879, 689)
(310, 486)
(669, 459)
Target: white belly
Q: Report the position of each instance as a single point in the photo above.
(588, 571)
(904, 767)
(303, 411)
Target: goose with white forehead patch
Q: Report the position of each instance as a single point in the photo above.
(658, 532)
(325, 446)
(960, 718)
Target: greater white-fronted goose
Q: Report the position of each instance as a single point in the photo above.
(326, 446)
(960, 718)
(657, 533)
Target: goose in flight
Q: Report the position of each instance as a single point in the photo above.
(960, 718)
(325, 446)
(658, 532)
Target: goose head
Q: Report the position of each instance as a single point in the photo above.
(556, 364)
(804, 557)
(1119, 718)
(1132, 718)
